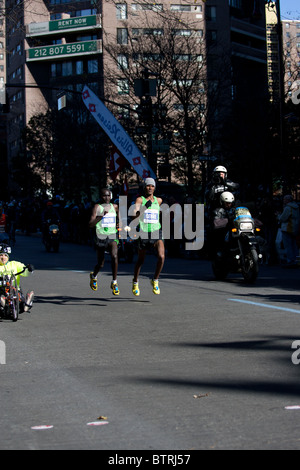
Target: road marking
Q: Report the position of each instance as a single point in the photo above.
(283, 309)
(97, 423)
(41, 428)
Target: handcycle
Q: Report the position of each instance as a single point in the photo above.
(12, 296)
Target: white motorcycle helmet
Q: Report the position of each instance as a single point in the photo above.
(220, 169)
(226, 197)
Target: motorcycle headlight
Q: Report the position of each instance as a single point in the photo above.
(246, 226)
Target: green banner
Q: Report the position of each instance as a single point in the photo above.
(71, 23)
(86, 47)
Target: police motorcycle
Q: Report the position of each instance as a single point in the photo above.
(240, 253)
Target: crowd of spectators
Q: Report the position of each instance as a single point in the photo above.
(26, 216)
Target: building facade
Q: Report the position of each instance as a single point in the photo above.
(291, 51)
(59, 45)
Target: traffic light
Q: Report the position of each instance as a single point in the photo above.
(144, 87)
(144, 111)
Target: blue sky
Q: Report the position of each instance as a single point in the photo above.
(290, 9)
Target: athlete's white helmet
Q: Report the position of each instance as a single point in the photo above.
(220, 169)
(226, 197)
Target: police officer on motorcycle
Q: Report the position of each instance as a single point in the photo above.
(218, 185)
(222, 216)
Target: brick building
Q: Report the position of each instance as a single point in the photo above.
(63, 45)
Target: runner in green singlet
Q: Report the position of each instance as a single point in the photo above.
(104, 219)
(147, 208)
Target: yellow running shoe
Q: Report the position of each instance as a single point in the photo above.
(135, 289)
(155, 285)
(115, 288)
(93, 282)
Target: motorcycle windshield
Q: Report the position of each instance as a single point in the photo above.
(242, 212)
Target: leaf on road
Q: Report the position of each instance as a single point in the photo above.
(201, 396)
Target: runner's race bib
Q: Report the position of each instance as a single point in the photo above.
(108, 221)
(151, 216)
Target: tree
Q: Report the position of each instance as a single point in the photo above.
(172, 50)
(68, 152)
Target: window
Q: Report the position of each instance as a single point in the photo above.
(56, 70)
(147, 7)
(153, 32)
(236, 4)
(211, 13)
(67, 69)
(186, 8)
(122, 35)
(79, 67)
(123, 87)
(122, 62)
(211, 36)
(121, 11)
(182, 32)
(93, 66)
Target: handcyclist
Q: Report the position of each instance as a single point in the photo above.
(147, 209)
(104, 219)
(7, 268)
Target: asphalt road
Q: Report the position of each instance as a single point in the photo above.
(205, 365)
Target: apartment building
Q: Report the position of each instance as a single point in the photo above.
(291, 51)
(290, 54)
(2, 52)
(3, 154)
(273, 54)
(61, 44)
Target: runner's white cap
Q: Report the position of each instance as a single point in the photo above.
(150, 181)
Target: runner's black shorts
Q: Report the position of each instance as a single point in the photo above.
(104, 242)
(148, 240)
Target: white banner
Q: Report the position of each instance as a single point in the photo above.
(117, 134)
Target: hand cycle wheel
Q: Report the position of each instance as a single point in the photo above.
(14, 298)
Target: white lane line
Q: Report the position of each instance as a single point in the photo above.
(273, 307)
